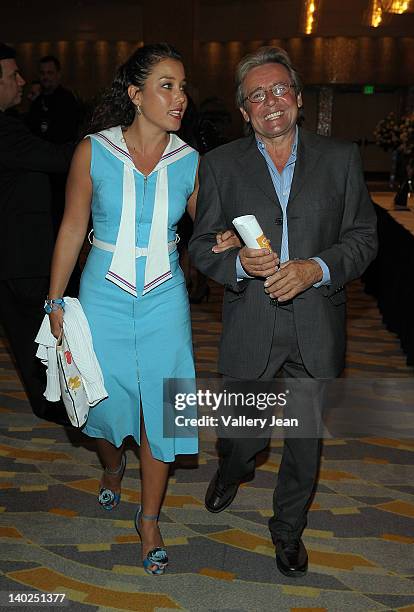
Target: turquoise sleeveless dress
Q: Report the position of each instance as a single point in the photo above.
(139, 341)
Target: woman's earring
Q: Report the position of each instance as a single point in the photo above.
(138, 109)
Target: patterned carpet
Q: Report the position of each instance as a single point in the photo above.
(55, 538)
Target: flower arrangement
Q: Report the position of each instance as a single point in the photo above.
(386, 133)
(392, 134)
(407, 135)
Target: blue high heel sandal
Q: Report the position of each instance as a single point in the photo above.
(156, 556)
(108, 498)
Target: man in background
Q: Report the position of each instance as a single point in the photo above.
(26, 231)
(53, 115)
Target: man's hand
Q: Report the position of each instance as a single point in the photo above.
(292, 278)
(258, 262)
(226, 240)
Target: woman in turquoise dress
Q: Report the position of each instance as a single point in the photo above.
(137, 177)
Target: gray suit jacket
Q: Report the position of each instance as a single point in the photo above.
(330, 215)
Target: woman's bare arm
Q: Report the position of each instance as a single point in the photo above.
(73, 228)
(192, 200)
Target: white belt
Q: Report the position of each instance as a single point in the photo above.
(139, 251)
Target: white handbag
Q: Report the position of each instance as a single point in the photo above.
(71, 385)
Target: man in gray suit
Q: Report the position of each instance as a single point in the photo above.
(283, 311)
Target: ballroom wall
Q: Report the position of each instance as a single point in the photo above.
(91, 37)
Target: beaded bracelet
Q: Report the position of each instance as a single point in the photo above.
(52, 305)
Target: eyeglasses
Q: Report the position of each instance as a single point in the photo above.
(259, 95)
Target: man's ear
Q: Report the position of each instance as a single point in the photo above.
(299, 100)
(245, 115)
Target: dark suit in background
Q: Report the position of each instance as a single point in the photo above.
(55, 117)
(26, 244)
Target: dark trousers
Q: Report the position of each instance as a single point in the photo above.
(21, 313)
(301, 456)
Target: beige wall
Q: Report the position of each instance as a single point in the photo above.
(93, 36)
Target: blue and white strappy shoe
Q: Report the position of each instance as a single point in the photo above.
(156, 556)
(107, 498)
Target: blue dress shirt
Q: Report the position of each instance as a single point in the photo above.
(282, 182)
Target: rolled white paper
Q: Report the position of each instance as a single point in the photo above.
(251, 232)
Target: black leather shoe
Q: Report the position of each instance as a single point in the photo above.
(291, 558)
(218, 496)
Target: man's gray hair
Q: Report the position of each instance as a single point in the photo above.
(264, 55)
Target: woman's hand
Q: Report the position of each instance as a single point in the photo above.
(226, 240)
(259, 262)
(56, 322)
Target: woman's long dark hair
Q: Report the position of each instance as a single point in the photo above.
(115, 106)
